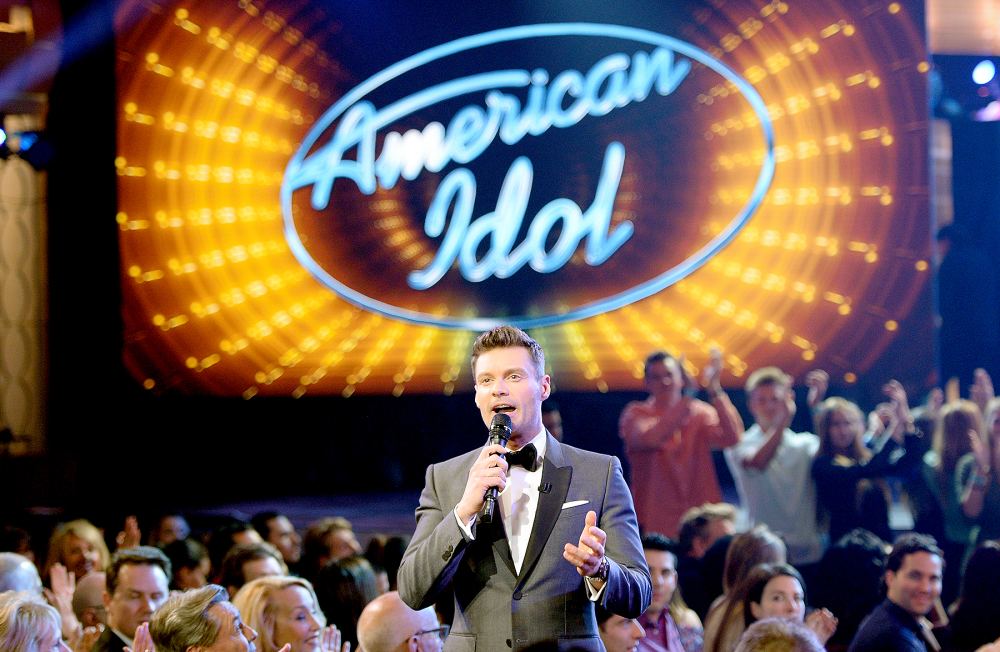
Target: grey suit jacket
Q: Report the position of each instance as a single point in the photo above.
(497, 609)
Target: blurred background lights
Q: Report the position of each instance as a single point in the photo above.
(984, 72)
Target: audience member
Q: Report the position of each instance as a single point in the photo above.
(190, 562)
(137, 580)
(88, 600)
(169, 528)
(913, 584)
(778, 591)
(725, 622)
(387, 624)
(975, 618)
(328, 539)
(18, 573)
(620, 634)
(79, 546)
(778, 635)
(848, 477)
(344, 588)
(668, 623)
(248, 561)
(772, 465)
(701, 527)
(978, 475)
(16, 539)
(951, 442)
(277, 530)
(669, 439)
(203, 619)
(231, 532)
(285, 611)
(27, 624)
(849, 582)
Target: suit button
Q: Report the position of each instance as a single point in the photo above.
(509, 644)
(517, 595)
(447, 553)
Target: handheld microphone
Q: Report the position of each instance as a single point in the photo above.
(500, 431)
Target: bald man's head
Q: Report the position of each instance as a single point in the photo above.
(387, 625)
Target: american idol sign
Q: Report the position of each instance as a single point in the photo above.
(345, 192)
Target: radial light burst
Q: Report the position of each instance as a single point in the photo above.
(215, 98)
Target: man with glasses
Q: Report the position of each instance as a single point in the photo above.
(388, 625)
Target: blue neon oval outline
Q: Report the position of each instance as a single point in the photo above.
(620, 300)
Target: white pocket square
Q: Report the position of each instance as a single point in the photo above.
(574, 503)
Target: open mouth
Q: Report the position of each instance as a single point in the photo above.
(502, 408)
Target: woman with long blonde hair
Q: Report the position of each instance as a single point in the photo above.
(285, 611)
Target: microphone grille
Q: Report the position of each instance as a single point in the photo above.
(501, 420)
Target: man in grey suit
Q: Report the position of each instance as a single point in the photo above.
(564, 537)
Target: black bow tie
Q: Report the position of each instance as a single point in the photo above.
(525, 457)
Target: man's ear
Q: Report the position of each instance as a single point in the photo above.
(106, 599)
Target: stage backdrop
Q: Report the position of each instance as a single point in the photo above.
(335, 197)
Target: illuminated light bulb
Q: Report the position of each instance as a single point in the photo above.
(850, 377)
(891, 325)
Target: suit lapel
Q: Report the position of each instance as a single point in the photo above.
(557, 473)
(501, 546)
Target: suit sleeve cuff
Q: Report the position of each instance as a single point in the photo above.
(468, 529)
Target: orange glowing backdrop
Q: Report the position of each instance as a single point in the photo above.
(216, 98)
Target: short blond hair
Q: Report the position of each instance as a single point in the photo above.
(767, 376)
(255, 605)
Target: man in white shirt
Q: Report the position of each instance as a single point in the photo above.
(565, 537)
(772, 467)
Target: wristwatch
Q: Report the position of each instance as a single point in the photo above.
(602, 571)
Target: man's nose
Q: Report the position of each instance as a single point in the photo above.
(500, 388)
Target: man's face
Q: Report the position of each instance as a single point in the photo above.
(506, 381)
(342, 544)
(917, 583)
(766, 402)
(552, 420)
(715, 530)
(234, 634)
(141, 589)
(663, 572)
(173, 528)
(621, 634)
(663, 380)
(282, 535)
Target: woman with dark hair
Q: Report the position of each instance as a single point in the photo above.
(724, 622)
(778, 591)
(975, 618)
(344, 588)
(849, 582)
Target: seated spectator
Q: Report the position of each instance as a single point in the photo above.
(328, 539)
(913, 585)
(778, 635)
(701, 527)
(725, 622)
(284, 610)
(28, 624)
(387, 624)
(203, 619)
(248, 561)
(668, 622)
(224, 537)
(778, 591)
(79, 546)
(18, 573)
(344, 588)
(277, 530)
(190, 562)
(975, 618)
(169, 528)
(849, 582)
(619, 634)
(552, 419)
(137, 580)
(88, 600)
